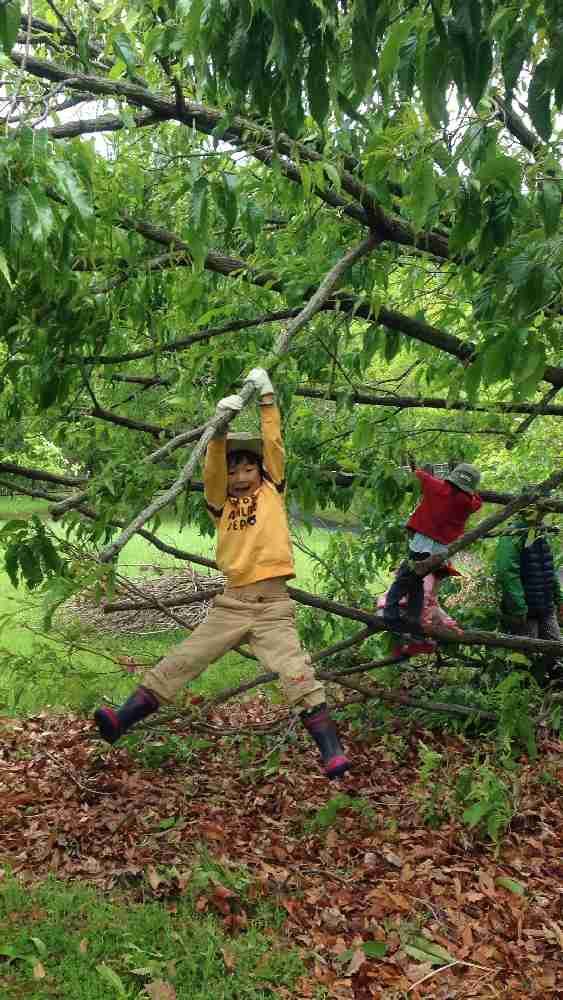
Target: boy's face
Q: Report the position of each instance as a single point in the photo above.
(243, 477)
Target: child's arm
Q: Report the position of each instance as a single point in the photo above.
(274, 453)
(273, 457)
(427, 481)
(215, 467)
(507, 569)
(476, 503)
(215, 475)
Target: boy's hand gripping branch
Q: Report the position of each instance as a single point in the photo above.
(261, 381)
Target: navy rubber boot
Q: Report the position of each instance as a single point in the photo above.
(113, 723)
(319, 724)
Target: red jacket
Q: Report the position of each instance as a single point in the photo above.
(443, 510)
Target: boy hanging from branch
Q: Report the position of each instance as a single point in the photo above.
(438, 520)
(244, 487)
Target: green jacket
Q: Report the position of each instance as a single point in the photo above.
(508, 571)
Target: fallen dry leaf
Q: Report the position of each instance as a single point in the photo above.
(229, 959)
(159, 990)
(153, 877)
(356, 962)
(39, 970)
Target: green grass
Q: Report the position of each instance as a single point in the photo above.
(39, 672)
(21, 507)
(94, 947)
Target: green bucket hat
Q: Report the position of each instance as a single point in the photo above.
(465, 477)
(243, 441)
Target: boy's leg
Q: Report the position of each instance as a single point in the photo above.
(409, 583)
(397, 590)
(416, 589)
(275, 641)
(227, 625)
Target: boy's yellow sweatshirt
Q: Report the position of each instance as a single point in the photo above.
(253, 534)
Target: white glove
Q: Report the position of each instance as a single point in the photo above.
(229, 403)
(261, 381)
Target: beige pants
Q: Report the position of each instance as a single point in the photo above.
(261, 614)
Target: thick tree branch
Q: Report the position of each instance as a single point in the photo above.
(248, 135)
(375, 623)
(367, 398)
(398, 322)
(41, 475)
(134, 425)
(506, 114)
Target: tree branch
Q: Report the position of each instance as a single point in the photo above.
(258, 140)
(375, 623)
(366, 398)
(185, 342)
(535, 412)
(398, 322)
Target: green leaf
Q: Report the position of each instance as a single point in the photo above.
(390, 53)
(123, 48)
(83, 43)
(72, 188)
(423, 191)
(475, 813)
(40, 945)
(549, 200)
(10, 14)
(478, 76)
(431, 950)
(29, 565)
(467, 220)
(374, 949)
(12, 564)
(199, 204)
(434, 81)
(225, 195)
(516, 50)
(333, 174)
(112, 979)
(511, 884)
(4, 269)
(317, 84)
(539, 100)
(422, 955)
(500, 168)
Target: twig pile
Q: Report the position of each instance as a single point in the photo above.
(90, 613)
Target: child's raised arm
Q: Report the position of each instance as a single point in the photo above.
(215, 467)
(273, 457)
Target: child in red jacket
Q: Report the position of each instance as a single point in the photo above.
(438, 520)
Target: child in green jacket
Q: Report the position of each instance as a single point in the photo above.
(528, 581)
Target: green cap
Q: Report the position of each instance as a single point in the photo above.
(465, 477)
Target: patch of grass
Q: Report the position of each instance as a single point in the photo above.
(14, 508)
(90, 947)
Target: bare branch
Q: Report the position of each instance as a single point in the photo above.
(536, 411)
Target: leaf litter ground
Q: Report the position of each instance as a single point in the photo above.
(373, 879)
